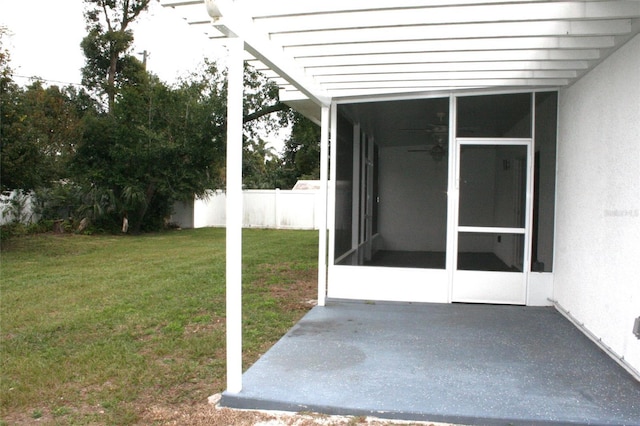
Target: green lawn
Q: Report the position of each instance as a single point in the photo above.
(93, 328)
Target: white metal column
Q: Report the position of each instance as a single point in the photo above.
(234, 215)
(324, 174)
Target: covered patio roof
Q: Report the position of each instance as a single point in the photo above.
(338, 49)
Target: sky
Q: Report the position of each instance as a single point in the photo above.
(45, 35)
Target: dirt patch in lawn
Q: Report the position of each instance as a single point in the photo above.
(295, 289)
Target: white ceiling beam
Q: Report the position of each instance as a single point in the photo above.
(344, 49)
(290, 8)
(460, 66)
(430, 76)
(506, 12)
(235, 23)
(431, 57)
(420, 85)
(175, 3)
(417, 92)
(397, 94)
(456, 31)
(190, 10)
(452, 45)
(293, 94)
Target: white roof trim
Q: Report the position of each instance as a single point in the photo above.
(338, 49)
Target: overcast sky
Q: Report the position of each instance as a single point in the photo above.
(45, 36)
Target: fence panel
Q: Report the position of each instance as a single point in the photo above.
(282, 209)
(297, 209)
(259, 209)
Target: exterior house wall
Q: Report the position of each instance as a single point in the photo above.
(597, 265)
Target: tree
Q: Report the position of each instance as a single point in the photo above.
(158, 146)
(301, 156)
(109, 65)
(16, 156)
(263, 113)
(153, 145)
(260, 165)
(39, 129)
(260, 101)
(54, 126)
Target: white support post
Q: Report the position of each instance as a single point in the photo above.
(322, 239)
(234, 216)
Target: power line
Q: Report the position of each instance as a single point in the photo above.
(35, 78)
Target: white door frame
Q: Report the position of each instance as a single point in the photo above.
(489, 286)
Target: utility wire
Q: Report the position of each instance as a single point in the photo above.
(36, 78)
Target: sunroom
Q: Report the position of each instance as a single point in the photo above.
(472, 151)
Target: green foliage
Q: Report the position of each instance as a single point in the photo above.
(13, 230)
(263, 112)
(301, 156)
(39, 129)
(260, 165)
(18, 156)
(151, 146)
(260, 100)
(10, 230)
(159, 145)
(109, 65)
(58, 201)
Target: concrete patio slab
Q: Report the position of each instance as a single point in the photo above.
(467, 364)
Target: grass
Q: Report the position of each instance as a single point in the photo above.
(94, 328)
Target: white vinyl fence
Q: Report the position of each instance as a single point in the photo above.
(17, 206)
(272, 208)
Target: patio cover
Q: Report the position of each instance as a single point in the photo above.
(336, 49)
(342, 50)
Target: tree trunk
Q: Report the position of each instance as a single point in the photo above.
(111, 80)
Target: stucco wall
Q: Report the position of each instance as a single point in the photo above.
(597, 262)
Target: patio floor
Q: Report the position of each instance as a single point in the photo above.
(457, 363)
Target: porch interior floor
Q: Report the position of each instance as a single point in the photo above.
(467, 261)
(456, 363)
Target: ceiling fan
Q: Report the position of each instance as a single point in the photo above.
(437, 150)
(438, 132)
